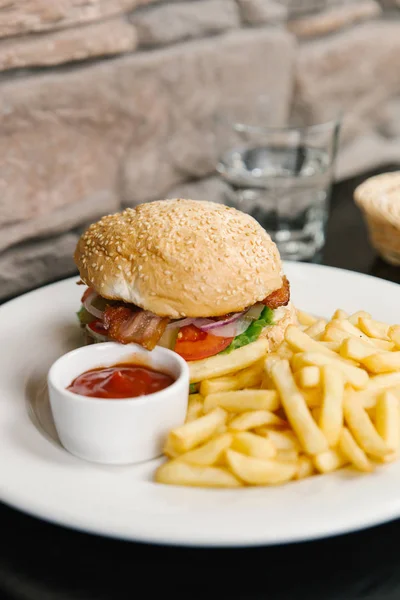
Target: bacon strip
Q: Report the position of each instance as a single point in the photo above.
(129, 326)
(279, 297)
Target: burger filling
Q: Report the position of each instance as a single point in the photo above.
(192, 338)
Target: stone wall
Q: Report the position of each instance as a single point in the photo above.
(106, 103)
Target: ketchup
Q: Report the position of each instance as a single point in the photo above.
(125, 380)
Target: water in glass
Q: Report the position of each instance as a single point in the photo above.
(286, 189)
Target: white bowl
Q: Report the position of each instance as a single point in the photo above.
(116, 431)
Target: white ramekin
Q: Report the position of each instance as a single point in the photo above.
(114, 431)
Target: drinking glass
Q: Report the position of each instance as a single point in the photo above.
(282, 176)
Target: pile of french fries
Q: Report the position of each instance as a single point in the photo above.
(327, 398)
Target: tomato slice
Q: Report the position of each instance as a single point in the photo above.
(194, 344)
(98, 327)
(86, 294)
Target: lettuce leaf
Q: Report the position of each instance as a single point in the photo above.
(194, 388)
(253, 331)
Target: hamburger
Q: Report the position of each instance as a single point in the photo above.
(196, 277)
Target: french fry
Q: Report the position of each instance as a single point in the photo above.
(394, 335)
(253, 445)
(369, 397)
(260, 472)
(247, 378)
(255, 418)
(304, 318)
(196, 432)
(362, 429)
(195, 407)
(387, 459)
(243, 400)
(381, 382)
(301, 342)
(355, 376)
(312, 397)
(310, 436)
(177, 472)
(352, 451)
(287, 456)
(329, 461)
(374, 329)
(316, 413)
(334, 346)
(387, 420)
(267, 382)
(355, 349)
(308, 377)
(355, 317)
(316, 330)
(221, 429)
(340, 314)
(224, 364)
(383, 362)
(331, 415)
(384, 345)
(169, 449)
(334, 334)
(283, 440)
(305, 467)
(209, 453)
(349, 328)
(284, 350)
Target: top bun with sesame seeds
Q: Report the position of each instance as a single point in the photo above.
(180, 258)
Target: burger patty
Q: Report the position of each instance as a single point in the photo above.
(279, 297)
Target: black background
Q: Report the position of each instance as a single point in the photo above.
(40, 561)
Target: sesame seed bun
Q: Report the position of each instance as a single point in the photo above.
(180, 258)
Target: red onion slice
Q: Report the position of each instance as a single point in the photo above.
(97, 336)
(226, 331)
(90, 308)
(233, 329)
(233, 325)
(180, 323)
(230, 327)
(210, 325)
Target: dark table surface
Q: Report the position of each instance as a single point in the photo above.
(40, 561)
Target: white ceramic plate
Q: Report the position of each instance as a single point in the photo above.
(38, 476)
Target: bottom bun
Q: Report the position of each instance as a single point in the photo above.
(275, 334)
